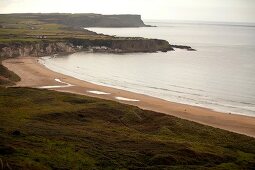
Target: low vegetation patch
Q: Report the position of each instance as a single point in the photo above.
(42, 129)
(7, 77)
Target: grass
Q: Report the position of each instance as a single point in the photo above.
(15, 28)
(21, 29)
(43, 129)
(7, 77)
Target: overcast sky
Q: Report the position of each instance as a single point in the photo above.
(205, 10)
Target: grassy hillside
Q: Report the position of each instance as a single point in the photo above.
(13, 29)
(85, 19)
(7, 77)
(31, 28)
(43, 129)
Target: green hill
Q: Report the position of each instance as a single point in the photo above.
(42, 129)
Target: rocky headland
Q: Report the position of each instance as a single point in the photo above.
(35, 34)
(84, 20)
(38, 49)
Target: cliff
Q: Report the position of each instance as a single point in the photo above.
(47, 34)
(84, 20)
(97, 20)
(145, 45)
(38, 49)
(34, 49)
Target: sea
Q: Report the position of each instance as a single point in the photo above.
(219, 75)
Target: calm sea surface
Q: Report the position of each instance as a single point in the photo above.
(220, 75)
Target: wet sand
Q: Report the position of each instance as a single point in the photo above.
(36, 75)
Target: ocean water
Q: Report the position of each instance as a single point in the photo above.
(220, 75)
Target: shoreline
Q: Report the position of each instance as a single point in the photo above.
(42, 62)
(34, 74)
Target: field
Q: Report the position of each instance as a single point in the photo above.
(14, 28)
(42, 129)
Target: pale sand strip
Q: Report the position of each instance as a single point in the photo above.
(59, 86)
(126, 99)
(97, 92)
(34, 74)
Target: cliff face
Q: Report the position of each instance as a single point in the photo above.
(35, 49)
(146, 45)
(70, 46)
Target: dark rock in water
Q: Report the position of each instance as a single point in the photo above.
(183, 47)
(191, 49)
(16, 133)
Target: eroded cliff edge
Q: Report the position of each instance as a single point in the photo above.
(44, 48)
(47, 34)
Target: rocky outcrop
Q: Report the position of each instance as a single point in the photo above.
(183, 47)
(38, 49)
(125, 45)
(35, 49)
(145, 45)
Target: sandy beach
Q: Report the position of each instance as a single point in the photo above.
(35, 75)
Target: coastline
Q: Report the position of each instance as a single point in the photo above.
(35, 75)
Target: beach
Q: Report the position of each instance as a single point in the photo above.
(35, 75)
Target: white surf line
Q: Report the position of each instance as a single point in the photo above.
(118, 97)
(98, 92)
(126, 99)
(58, 86)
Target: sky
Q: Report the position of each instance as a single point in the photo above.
(188, 10)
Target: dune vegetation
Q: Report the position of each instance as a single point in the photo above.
(42, 129)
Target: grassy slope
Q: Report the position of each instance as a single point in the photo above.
(65, 131)
(24, 29)
(7, 77)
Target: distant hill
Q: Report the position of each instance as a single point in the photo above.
(86, 20)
